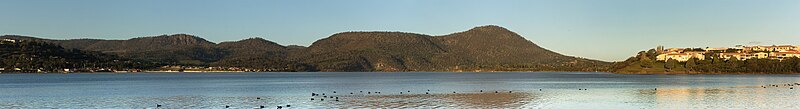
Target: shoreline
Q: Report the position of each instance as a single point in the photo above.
(704, 73)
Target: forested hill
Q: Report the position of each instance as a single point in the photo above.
(484, 48)
(33, 56)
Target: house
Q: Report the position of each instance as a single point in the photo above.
(716, 50)
(671, 50)
(8, 40)
(739, 52)
(760, 55)
(785, 54)
(739, 56)
(771, 48)
(781, 48)
(681, 57)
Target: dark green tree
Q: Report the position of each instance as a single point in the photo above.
(652, 54)
(671, 64)
(691, 63)
(797, 65)
(646, 62)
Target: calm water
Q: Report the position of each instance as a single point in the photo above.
(241, 90)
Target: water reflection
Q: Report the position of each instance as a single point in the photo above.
(241, 90)
(596, 98)
(731, 97)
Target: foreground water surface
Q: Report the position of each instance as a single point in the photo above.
(447, 90)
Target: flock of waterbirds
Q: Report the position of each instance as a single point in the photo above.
(330, 97)
(323, 96)
(790, 85)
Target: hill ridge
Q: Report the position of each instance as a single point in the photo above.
(482, 48)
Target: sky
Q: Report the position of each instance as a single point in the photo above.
(609, 30)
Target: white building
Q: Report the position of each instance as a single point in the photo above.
(9, 40)
(685, 56)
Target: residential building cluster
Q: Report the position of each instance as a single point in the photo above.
(3, 41)
(778, 52)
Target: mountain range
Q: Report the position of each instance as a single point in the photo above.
(484, 48)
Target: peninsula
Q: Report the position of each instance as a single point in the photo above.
(774, 59)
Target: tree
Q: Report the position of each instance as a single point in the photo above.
(691, 63)
(717, 60)
(652, 54)
(646, 62)
(671, 64)
(797, 67)
(733, 64)
(794, 63)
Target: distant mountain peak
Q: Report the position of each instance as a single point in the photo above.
(185, 37)
(487, 32)
(173, 36)
(174, 39)
(254, 39)
(490, 28)
(250, 44)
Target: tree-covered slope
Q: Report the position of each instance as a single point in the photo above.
(484, 48)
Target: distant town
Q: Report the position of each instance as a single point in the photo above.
(776, 52)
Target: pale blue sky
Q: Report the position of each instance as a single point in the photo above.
(610, 30)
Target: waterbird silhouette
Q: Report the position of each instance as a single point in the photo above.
(280, 107)
(288, 105)
(227, 106)
(158, 105)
